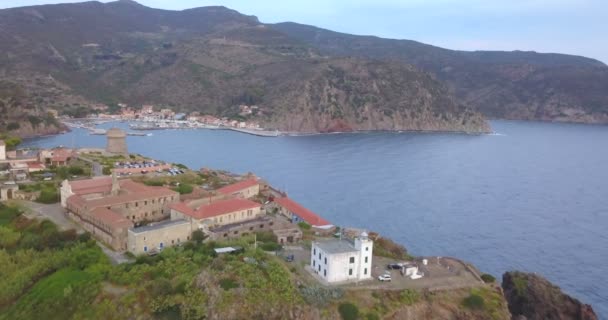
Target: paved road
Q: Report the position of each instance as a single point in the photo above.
(53, 212)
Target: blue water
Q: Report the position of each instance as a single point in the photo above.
(534, 198)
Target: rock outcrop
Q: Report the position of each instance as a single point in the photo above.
(532, 297)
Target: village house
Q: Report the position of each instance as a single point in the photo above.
(56, 156)
(156, 237)
(296, 213)
(247, 189)
(108, 207)
(216, 214)
(342, 260)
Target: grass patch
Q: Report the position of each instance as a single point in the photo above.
(348, 311)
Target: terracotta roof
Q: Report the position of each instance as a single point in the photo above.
(310, 217)
(88, 186)
(155, 192)
(216, 208)
(61, 154)
(35, 165)
(236, 187)
(111, 218)
(76, 201)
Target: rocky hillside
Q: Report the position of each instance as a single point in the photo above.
(212, 60)
(532, 297)
(505, 85)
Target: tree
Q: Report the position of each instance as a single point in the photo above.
(348, 311)
(198, 236)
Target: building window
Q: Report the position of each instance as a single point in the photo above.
(137, 204)
(172, 241)
(314, 263)
(236, 232)
(350, 272)
(145, 249)
(319, 255)
(352, 260)
(366, 248)
(314, 251)
(365, 259)
(325, 273)
(325, 260)
(319, 268)
(365, 271)
(225, 235)
(250, 228)
(261, 226)
(145, 203)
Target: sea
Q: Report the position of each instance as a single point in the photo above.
(533, 196)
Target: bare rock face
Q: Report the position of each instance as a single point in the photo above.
(532, 297)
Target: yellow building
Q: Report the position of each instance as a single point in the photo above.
(156, 237)
(244, 189)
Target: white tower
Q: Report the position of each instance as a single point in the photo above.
(365, 246)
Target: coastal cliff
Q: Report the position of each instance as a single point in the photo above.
(532, 297)
(214, 60)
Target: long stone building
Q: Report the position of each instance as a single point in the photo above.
(108, 207)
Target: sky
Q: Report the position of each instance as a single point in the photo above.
(577, 27)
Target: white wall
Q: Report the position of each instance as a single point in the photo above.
(338, 265)
(3, 152)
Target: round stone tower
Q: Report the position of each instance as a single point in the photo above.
(117, 141)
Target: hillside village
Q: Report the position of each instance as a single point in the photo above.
(139, 207)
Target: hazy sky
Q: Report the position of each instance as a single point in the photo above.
(565, 26)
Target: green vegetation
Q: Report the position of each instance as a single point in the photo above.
(11, 141)
(521, 285)
(409, 296)
(228, 284)
(387, 248)
(184, 188)
(487, 300)
(488, 278)
(474, 301)
(348, 311)
(304, 226)
(49, 191)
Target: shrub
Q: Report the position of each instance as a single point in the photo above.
(488, 278)
(372, 316)
(184, 188)
(181, 166)
(76, 171)
(474, 301)
(228, 284)
(48, 196)
(13, 126)
(304, 226)
(271, 246)
(154, 183)
(348, 311)
(409, 296)
(320, 296)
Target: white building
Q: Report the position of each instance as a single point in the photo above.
(343, 260)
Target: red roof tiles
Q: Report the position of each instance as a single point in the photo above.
(216, 208)
(236, 187)
(111, 218)
(310, 217)
(88, 186)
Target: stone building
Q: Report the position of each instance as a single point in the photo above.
(216, 214)
(343, 260)
(284, 231)
(117, 141)
(108, 207)
(248, 188)
(156, 237)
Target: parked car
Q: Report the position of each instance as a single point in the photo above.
(289, 258)
(395, 266)
(385, 277)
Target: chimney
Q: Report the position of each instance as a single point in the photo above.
(115, 185)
